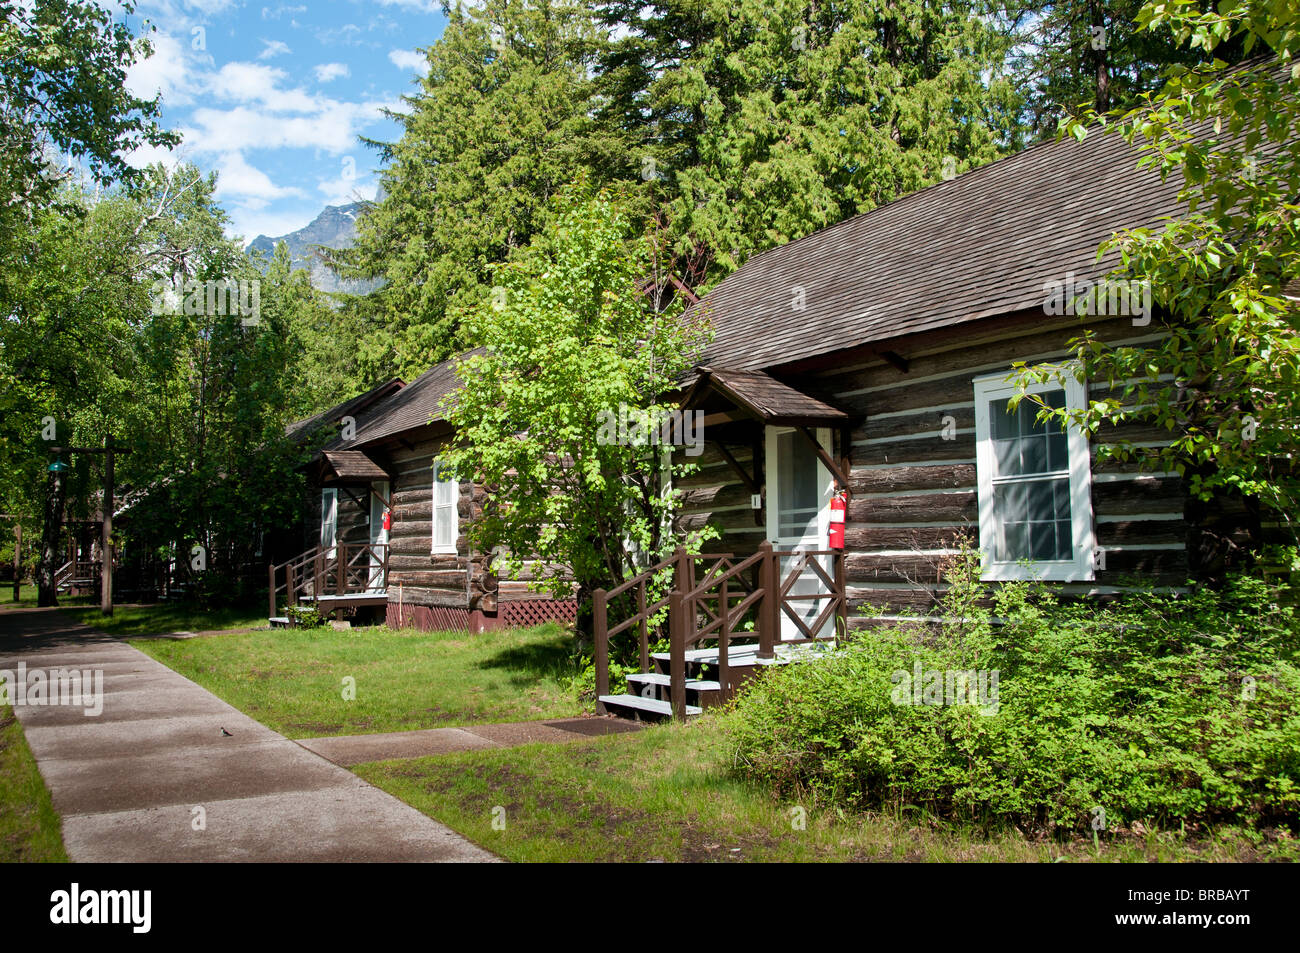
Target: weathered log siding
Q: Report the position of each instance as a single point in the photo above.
(914, 492)
(427, 578)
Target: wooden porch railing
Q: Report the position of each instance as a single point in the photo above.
(342, 569)
(69, 572)
(700, 609)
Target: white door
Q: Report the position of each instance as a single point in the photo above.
(329, 520)
(378, 535)
(799, 492)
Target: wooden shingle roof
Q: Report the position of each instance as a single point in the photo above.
(981, 245)
(350, 467)
(301, 431)
(419, 403)
(764, 397)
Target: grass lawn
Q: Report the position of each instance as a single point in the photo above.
(665, 794)
(29, 828)
(28, 595)
(292, 680)
(164, 618)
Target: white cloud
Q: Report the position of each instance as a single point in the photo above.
(273, 48)
(327, 72)
(148, 155)
(425, 6)
(409, 60)
(342, 191)
(333, 128)
(237, 179)
(248, 222)
(269, 14)
(166, 72)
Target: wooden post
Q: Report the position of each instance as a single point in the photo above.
(677, 654)
(600, 623)
(341, 568)
(18, 560)
(769, 613)
(271, 570)
(106, 547)
(843, 626)
(683, 578)
(643, 628)
(724, 640)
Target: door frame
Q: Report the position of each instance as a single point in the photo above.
(826, 481)
(380, 500)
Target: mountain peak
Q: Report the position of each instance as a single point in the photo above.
(334, 228)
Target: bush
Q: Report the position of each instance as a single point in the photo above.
(304, 616)
(1164, 708)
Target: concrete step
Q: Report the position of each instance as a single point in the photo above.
(643, 709)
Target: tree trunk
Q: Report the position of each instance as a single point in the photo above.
(50, 533)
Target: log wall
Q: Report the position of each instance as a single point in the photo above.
(913, 478)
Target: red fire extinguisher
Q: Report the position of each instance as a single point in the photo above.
(388, 520)
(838, 506)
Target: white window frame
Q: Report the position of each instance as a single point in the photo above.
(329, 519)
(993, 387)
(444, 547)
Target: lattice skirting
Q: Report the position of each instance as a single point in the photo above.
(530, 612)
(514, 615)
(428, 618)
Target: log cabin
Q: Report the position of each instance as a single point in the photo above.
(866, 364)
(872, 357)
(385, 530)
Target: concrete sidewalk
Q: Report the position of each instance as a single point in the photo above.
(127, 783)
(348, 750)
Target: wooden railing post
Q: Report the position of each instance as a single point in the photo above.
(724, 640)
(600, 622)
(769, 613)
(271, 568)
(643, 627)
(341, 570)
(840, 592)
(677, 654)
(683, 578)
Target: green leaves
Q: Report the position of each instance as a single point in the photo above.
(1222, 380)
(575, 344)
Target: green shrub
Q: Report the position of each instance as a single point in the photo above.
(1164, 708)
(304, 616)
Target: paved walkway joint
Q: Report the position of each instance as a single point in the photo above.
(348, 750)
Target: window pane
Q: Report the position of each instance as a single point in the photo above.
(1022, 444)
(444, 532)
(1033, 519)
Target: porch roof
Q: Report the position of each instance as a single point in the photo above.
(349, 467)
(762, 396)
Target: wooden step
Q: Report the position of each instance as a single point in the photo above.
(643, 709)
(702, 692)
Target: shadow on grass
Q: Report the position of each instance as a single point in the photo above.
(550, 656)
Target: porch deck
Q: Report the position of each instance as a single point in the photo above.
(336, 579)
(711, 597)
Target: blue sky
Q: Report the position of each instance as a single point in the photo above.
(273, 95)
